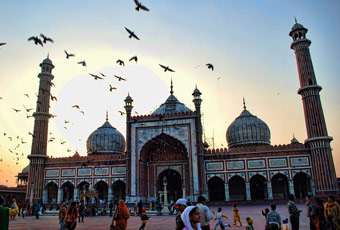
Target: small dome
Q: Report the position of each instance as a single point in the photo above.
(196, 92)
(297, 26)
(247, 129)
(128, 98)
(294, 141)
(106, 139)
(26, 169)
(47, 61)
(171, 105)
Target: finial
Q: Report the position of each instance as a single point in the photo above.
(48, 55)
(244, 104)
(107, 116)
(295, 20)
(171, 88)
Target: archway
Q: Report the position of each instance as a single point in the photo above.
(258, 187)
(84, 191)
(301, 185)
(102, 190)
(174, 184)
(216, 189)
(280, 186)
(68, 191)
(237, 188)
(118, 188)
(52, 193)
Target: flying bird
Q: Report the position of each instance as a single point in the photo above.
(140, 6)
(22, 141)
(36, 40)
(112, 88)
(96, 77)
(103, 75)
(120, 78)
(132, 34)
(16, 110)
(83, 63)
(166, 68)
(66, 121)
(62, 142)
(76, 106)
(121, 112)
(28, 110)
(82, 112)
(3, 43)
(26, 95)
(134, 58)
(68, 55)
(210, 66)
(54, 98)
(10, 138)
(28, 116)
(46, 39)
(120, 62)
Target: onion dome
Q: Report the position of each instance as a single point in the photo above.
(247, 129)
(171, 105)
(26, 169)
(106, 139)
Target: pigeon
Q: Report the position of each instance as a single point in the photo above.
(134, 58)
(3, 43)
(166, 68)
(76, 106)
(112, 88)
(120, 62)
(102, 74)
(68, 55)
(36, 40)
(121, 113)
(83, 63)
(210, 66)
(132, 34)
(120, 78)
(28, 110)
(16, 110)
(96, 77)
(46, 39)
(26, 95)
(53, 98)
(140, 6)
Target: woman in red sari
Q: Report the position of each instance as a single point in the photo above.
(71, 217)
(121, 216)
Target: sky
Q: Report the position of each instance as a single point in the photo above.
(247, 42)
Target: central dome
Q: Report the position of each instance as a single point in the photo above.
(247, 129)
(106, 139)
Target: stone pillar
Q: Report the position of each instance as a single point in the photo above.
(226, 190)
(269, 190)
(291, 187)
(165, 209)
(248, 191)
(76, 194)
(312, 187)
(31, 195)
(183, 191)
(45, 196)
(60, 196)
(110, 194)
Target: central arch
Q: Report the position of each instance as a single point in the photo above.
(102, 190)
(174, 184)
(118, 188)
(301, 185)
(68, 191)
(280, 186)
(52, 192)
(258, 187)
(216, 189)
(237, 188)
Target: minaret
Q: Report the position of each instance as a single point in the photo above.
(128, 108)
(41, 116)
(318, 140)
(199, 144)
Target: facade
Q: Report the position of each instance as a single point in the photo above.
(165, 150)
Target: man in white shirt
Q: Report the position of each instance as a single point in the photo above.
(206, 215)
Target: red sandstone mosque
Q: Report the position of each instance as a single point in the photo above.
(168, 144)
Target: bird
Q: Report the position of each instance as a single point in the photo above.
(46, 39)
(54, 98)
(3, 43)
(26, 95)
(83, 63)
(112, 88)
(69, 55)
(120, 62)
(16, 110)
(134, 58)
(22, 141)
(140, 6)
(76, 106)
(166, 68)
(96, 77)
(121, 112)
(82, 112)
(28, 110)
(10, 138)
(0, 98)
(102, 74)
(120, 78)
(66, 121)
(132, 34)
(36, 40)
(210, 66)
(28, 116)
(62, 142)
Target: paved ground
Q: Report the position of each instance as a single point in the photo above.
(155, 222)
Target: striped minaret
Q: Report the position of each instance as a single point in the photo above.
(318, 140)
(41, 116)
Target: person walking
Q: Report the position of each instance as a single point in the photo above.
(294, 213)
(249, 221)
(5, 212)
(37, 210)
(81, 209)
(310, 207)
(62, 214)
(219, 217)
(319, 215)
(71, 217)
(111, 207)
(140, 207)
(236, 215)
(121, 216)
(144, 218)
(181, 204)
(273, 219)
(332, 208)
(191, 218)
(206, 215)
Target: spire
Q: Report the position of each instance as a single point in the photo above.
(244, 104)
(295, 20)
(107, 116)
(171, 88)
(48, 55)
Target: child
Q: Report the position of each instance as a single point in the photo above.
(220, 217)
(265, 214)
(236, 215)
(144, 218)
(250, 223)
(285, 225)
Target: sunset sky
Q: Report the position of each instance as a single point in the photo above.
(246, 41)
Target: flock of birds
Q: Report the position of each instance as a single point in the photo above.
(42, 40)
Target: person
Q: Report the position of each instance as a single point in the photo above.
(135, 209)
(330, 225)
(5, 212)
(265, 214)
(206, 215)
(140, 207)
(310, 206)
(81, 209)
(236, 215)
(219, 216)
(62, 214)
(318, 214)
(71, 216)
(285, 224)
(111, 207)
(249, 221)
(37, 210)
(19, 203)
(121, 216)
(191, 218)
(273, 219)
(332, 208)
(15, 207)
(294, 213)
(181, 204)
(144, 218)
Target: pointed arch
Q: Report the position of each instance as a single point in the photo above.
(237, 188)
(302, 186)
(216, 189)
(280, 187)
(258, 189)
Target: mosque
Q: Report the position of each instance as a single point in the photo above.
(163, 155)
